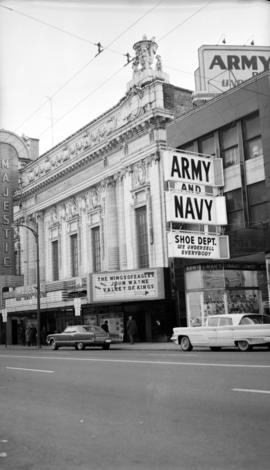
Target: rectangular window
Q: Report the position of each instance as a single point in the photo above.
(229, 146)
(207, 145)
(55, 263)
(252, 137)
(188, 147)
(74, 255)
(235, 212)
(96, 254)
(257, 202)
(142, 237)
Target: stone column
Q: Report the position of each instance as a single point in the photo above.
(121, 224)
(42, 246)
(111, 227)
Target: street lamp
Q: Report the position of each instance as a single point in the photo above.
(35, 233)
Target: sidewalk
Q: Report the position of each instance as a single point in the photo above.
(166, 346)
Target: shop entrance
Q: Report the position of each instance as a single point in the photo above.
(139, 318)
(14, 331)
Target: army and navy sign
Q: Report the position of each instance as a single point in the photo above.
(192, 168)
(222, 67)
(195, 208)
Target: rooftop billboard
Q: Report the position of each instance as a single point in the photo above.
(223, 67)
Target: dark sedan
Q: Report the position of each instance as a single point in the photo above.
(80, 336)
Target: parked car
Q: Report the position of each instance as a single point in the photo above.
(80, 336)
(240, 330)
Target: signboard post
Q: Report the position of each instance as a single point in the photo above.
(77, 306)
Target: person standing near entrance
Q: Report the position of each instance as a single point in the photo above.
(131, 329)
(105, 326)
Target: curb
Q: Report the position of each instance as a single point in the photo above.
(114, 346)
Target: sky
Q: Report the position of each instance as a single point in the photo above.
(52, 83)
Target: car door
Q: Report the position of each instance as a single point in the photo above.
(66, 338)
(225, 332)
(100, 335)
(211, 331)
(89, 336)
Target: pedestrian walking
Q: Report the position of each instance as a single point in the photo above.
(105, 326)
(28, 335)
(33, 336)
(131, 329)
(43, 335)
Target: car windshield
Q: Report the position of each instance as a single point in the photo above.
(70, 329)
(94, 329)
(99, 330)
(254, 319)
(88, 328)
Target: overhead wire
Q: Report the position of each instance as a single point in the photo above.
(89, 94)
(84, 98)
(78, 72)
(56, 28)
(100, 49)
(185, 20)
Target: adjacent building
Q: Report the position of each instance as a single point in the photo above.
(234, 126)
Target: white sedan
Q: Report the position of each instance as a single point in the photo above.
(241, 330)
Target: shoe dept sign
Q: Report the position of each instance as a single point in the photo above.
(188, 203)
(8, 183)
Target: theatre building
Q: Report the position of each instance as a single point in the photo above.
(235, 127)
(96, 201)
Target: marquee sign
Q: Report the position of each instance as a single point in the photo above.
(195, 208)
(128, 286)
(192, 168)
(197, 245)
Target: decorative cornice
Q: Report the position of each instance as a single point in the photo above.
(42, 174)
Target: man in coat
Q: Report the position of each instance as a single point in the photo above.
(131, 329)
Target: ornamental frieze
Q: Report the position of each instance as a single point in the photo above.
(137, 104)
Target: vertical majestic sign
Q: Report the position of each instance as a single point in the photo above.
(8, 184)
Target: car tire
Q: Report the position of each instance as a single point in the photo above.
(106, 346)
(243, 345)
(214, 348)
(53, 345)
(185, 344)
(79, 346)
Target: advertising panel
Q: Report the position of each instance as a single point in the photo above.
(128, 286)
(195, 208)
(197, 245)
(192, 168)
(223, 67)
(8, 184)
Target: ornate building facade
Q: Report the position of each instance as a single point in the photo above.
(96, 202)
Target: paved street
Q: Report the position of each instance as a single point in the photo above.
(146, 408)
